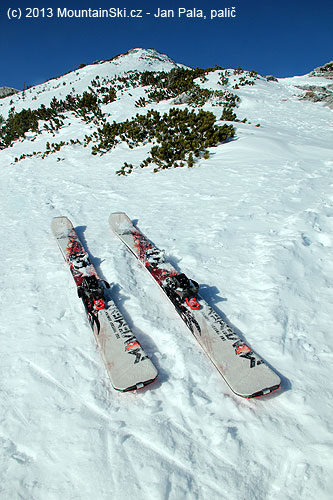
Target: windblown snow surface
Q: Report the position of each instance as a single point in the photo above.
(253, 225)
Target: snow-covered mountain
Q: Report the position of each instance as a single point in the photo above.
(78, 80)
(251, 221)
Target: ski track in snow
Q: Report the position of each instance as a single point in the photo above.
(253, 225)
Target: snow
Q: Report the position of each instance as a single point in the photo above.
(253, 225)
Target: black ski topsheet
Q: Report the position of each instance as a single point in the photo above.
(244, 371)
(127, 365)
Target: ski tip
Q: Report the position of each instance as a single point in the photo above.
(119, 221)
(60, 218)
(60, 225)
(118, 216)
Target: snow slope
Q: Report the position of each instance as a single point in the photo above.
(78, 80)
(253, 225)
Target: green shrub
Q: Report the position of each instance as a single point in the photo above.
(228, 114)
(176, 137)
(17, 125)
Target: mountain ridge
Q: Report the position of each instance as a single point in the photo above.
(151, 55)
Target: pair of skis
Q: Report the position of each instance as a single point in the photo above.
(127, 365)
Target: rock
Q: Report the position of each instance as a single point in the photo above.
(325, 71)
(183, 98)
(318, 94)
(6, 91)
(271, 78)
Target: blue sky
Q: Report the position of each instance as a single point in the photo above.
(283, 38)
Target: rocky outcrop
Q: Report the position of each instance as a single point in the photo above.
(320, 93)
(325, 71)
(6, 91)
(316, 93)
(271, 78)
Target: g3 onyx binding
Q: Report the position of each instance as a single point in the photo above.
(91, 292)
(184, 288)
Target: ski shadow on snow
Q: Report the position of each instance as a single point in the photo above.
(96, 262)
(115, 292)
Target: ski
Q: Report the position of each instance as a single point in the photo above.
(243, 370)
(127, 365)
